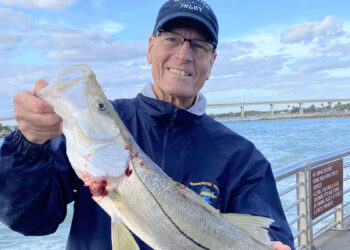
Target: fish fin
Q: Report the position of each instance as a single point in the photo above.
(254, 225)
(121, 237)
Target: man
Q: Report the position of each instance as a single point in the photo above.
(169, 123)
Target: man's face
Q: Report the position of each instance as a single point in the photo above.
(178, 74)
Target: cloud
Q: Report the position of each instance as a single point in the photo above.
(329, 27)
(10, 42)
(42, 4)
(67, 45)
(339, 49)
(109, 27)
(234, 49)
(319, 63)
(14, 20)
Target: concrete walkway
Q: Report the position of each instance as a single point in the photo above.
(334, 240)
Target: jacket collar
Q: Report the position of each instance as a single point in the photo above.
(163, 113)
(198, 108)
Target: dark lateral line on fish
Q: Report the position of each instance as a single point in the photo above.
(163, 210)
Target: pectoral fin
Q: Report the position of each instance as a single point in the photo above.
(121, 237)
(254, 225)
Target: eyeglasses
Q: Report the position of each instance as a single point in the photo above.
(200, 48)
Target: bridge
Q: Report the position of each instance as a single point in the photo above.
(7, 118)
(273, 103)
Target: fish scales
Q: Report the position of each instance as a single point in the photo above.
(130, 187)
(188, 218)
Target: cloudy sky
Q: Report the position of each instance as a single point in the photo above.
(268, 50)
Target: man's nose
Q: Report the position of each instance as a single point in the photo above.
(185, 51)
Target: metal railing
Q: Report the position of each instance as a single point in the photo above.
(295, 190)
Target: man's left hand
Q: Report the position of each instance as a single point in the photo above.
(279, 246)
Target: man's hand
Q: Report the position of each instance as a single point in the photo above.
(35, 118)
(279, 246)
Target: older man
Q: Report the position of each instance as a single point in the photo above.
(169, 123)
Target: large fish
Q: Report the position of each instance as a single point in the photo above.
(130, 187)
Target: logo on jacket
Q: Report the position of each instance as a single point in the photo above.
(208, 191)
(206, 194)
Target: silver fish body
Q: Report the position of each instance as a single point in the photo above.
(130, 187)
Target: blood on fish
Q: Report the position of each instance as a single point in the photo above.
(181, 186)
(142, 164)
(128, 172)
(126, 148)
(136, 154)
(98, 188)
(87, 178)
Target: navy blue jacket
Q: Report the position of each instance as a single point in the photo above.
(37, 181)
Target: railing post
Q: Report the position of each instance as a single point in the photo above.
(338, 217)
(339, 212)
(303, 223)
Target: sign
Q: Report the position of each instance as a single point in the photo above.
(326, 187)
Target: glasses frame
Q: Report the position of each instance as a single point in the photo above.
(159, 32)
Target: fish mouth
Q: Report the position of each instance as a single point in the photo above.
(72, 75)
(88, 140)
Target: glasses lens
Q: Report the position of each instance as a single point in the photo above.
(174, 41)
(171, 41)
(201, 47)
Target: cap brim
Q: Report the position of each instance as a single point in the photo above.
(190, 16)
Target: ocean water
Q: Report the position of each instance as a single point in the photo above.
(283, 142)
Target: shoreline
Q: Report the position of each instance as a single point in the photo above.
(3, 133)
(286, 116)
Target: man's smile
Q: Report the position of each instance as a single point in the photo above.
(179, 72)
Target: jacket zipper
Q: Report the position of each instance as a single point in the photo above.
(165, 142)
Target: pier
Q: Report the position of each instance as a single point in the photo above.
(271, 105)
(315, 197)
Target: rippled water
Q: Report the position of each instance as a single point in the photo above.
(282, 142)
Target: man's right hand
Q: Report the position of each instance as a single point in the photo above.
(35, 118)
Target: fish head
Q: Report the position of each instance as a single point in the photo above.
(97, 140)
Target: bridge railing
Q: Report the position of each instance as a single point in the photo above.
(314, 199)
(301, 103)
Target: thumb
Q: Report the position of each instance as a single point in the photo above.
(39, 84)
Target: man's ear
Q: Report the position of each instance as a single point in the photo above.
(151, 41)
(211, 63)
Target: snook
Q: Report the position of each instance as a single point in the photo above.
(130, 187)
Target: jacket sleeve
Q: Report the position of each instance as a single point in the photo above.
(36, 184)
(257, 194)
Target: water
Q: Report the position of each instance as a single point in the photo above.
(282, 142)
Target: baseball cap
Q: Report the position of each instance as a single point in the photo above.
(189, 9)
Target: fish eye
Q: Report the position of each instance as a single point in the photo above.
(101, 106)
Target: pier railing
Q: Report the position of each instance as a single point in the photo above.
(315, 195)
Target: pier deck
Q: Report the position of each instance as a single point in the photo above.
(333, 240)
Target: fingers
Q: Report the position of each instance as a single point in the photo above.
(39, 84)
(279, 246)
(31, 103)
(35, 118)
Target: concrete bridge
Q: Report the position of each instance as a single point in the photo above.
(6, 119)
(270, 103)
(273, 103)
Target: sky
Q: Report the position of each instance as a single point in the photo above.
(268, 50)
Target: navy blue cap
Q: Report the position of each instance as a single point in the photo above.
(192, 9)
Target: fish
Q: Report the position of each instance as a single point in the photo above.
(135, 192)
